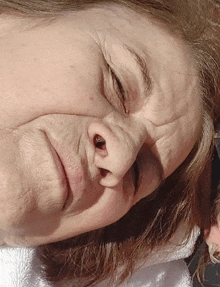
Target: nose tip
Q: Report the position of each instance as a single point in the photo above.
(109, 179)
(114, 165)
(114, 153)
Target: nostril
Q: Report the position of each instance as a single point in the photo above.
(103, 172)
(99, 142)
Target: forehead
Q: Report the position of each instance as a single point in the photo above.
(105, 24)
(118, 31)
(84, 39)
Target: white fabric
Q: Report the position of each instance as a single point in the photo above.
(19, 267)
(170, 274)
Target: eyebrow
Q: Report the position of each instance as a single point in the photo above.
(141, 62)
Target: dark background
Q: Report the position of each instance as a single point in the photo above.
(212, 274)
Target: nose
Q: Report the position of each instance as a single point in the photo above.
(115, 152)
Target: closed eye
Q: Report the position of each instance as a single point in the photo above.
(118, 87)
(136, 176)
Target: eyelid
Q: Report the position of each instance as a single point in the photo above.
(136, 172)
(142, 64)
(121, 93)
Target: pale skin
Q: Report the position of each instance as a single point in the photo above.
(58, 93)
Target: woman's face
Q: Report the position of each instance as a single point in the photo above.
(96, 108)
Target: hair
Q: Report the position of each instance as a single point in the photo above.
(95, 256)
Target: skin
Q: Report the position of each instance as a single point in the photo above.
(213, 234)
(58, 94)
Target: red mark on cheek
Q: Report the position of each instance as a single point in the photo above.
(91, 98)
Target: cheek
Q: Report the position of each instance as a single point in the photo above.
(213, 235)
(14, 212)
(173, 148)
(111, 206)
(16, 203)
(59, 96)
(13, 198)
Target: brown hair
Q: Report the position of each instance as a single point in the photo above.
(184, 196)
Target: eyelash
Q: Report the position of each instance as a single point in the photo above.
(118, 87)
(136, 172)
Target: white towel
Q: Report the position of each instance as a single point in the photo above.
(19, 267)
(170, 274)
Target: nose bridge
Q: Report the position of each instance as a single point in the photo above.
(117, 156)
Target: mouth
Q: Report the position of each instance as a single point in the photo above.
(70, 172)
(62, 175)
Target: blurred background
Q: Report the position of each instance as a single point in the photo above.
(212, 273)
